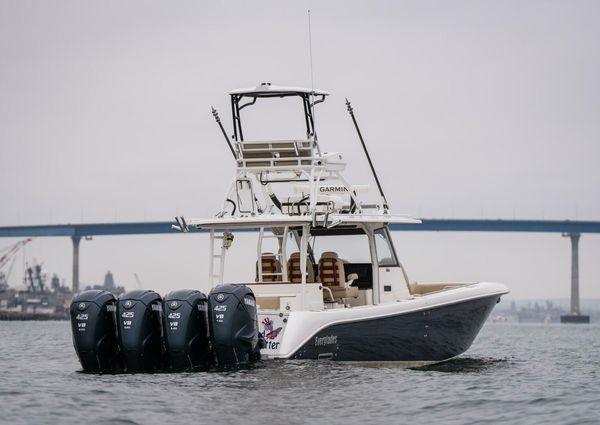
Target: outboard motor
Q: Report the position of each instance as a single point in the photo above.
(93, 322)
(185, 315)
(139, 316)
(233, 325)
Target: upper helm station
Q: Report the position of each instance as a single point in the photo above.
(318, 188)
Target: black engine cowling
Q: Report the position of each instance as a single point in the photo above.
(140, 332)
(185, 315)
(93, 322)
(233, 325)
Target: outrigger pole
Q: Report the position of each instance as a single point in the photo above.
(218, 120)
(351, 112)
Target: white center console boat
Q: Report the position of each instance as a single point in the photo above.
(328, 283)
(326, 280)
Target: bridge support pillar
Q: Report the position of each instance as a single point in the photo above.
(575, 316)
(76, 240)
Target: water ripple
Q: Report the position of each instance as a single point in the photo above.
(512, 374)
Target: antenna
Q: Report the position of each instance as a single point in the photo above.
(312, 80)
(218, 120)
(362, 142)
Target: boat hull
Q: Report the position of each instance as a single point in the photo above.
(420, 337)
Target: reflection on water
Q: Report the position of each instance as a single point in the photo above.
(467, 365)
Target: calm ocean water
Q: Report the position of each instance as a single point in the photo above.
(513, 373)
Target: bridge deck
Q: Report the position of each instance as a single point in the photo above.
(437, 225)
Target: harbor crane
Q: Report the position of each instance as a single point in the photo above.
(138, 281)
(5, 257)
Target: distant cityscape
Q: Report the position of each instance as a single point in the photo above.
(36, 300)
(542, 311)
(108, 285)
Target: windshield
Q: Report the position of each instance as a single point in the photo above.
(350, 248)
(274, 119)
(385, 251)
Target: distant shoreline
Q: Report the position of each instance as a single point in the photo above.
(27, 316)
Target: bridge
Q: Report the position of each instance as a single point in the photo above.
(572, 229)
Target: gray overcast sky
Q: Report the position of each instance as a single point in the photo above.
(470, 109)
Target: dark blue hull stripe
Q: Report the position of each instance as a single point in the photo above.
(430, 335)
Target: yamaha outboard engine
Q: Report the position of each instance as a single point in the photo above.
(139, 315)
(233, 325)
(185, 314)
(93, 322)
